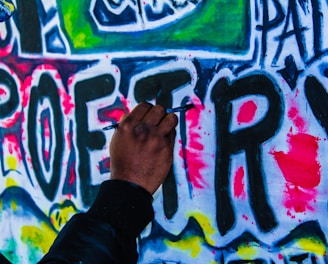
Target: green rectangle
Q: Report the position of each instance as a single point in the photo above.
(213, 25)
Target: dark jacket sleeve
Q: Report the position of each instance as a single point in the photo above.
(107, 232)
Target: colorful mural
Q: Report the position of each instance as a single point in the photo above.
(249, 179)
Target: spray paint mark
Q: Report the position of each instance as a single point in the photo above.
(299, 165)
(246, 112)
(239, 184)
(67, 103)
(194, 149)
(301, 170)
(298, 121)
(3, 93)
(115, 112)
(13, 145)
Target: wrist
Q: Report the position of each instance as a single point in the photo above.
(124, 205)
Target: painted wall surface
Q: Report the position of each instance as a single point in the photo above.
(249, 181)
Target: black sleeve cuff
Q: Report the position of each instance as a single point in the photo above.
(124, 205)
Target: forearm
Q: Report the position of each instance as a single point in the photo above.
(107, 232)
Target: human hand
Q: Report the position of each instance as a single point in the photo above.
(141, 149)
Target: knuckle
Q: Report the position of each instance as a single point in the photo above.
(172, 119)
(160, 109)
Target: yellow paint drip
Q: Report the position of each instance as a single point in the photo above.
(313, 246)
(13, 205)
(247, 251)
(12, 162)
(11, 182)
(205, 224)
(191, 244)
(40, 237)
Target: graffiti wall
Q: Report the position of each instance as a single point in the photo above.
(249, 181)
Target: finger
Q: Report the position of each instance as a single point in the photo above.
(154, 116)
(167, 124)
(123, 117)
(172, 136)
(139, 112)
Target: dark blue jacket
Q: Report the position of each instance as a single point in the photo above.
(107, 232)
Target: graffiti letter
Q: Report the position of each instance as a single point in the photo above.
(160, 87)
(7, 108)
(29, 26)
(268, 25)
(46, 91)
(247, 139)
(85, 91)
(297, 31)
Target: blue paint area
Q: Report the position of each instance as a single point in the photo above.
(6, 10)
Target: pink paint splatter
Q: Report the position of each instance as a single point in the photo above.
(299, 166)
(2, 92)
(194, 148)
(239, 184)
(46, 155)
(13, 145)
(245, 217)
(298, 121)
(9, 122)
(301, 170)
(246, 112)
(295, 197)
(6, 50)
(72, 176)
(46, 128)
(115, 114)
(68, 141)
(66, 101)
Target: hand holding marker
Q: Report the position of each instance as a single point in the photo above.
(168, 111)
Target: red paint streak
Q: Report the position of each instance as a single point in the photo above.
(2, 92)
(194, 148)
(25, 90)
(46, 135)
(68, 141)
(300, 166)
(48, 67)
(6, 51)
(295, 197)
(9, 122)
(57, 76)
(298, 121)
(46, 128)
(246, 112)
(115, 114)
(66, 101)
(245, 217)
(13, 145)
(72, 177)
(70, 81)
(239, 184)
(46, 154)
(301, 170)
(107, 164)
